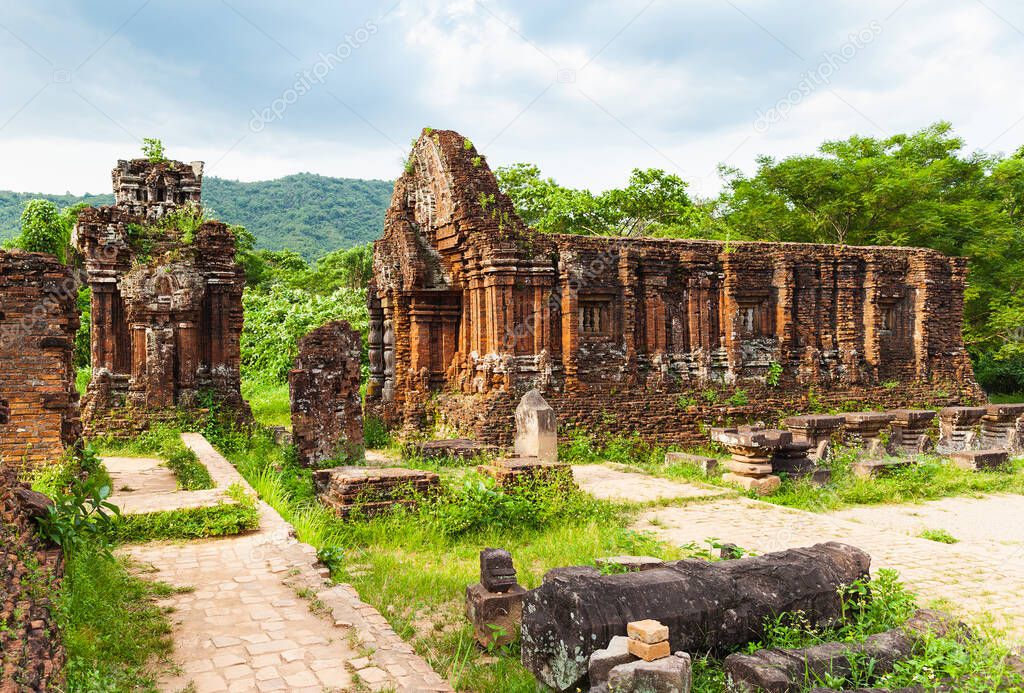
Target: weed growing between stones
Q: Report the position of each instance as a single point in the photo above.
(939, 535)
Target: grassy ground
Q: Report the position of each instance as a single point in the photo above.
(931, 477)
(270, 405)
(414, 566)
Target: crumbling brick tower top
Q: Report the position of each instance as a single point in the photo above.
(151, 190)
(469, 308)
(166, 300)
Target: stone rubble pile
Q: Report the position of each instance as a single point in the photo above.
(640, 661)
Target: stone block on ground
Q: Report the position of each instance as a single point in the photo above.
(455, 448)
(604, 660)
(789, 669)
(763, 485)
(671, 674)
(576, 611)
(708, 465)
(495, 605)
(630, 564)
(978, 460)
(495, 615)
(372, 490)
(536, 428)
(513, 471)
(867, 468)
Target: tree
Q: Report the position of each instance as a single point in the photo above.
(153, 149)
(652, 203)
(45, 229)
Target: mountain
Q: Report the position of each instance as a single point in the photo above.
(307, 213)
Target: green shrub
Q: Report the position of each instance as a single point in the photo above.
(82, 515)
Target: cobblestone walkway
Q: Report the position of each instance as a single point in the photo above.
(980, 578)
(262, 616)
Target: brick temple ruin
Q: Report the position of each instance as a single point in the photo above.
(469, 308)
(39, 407)
(166, 300)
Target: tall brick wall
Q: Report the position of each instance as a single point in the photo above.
(166, 303)
(39, 409)
(469, 308)
(31, 651)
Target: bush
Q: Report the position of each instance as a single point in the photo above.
(1004, 376)
(81, 516)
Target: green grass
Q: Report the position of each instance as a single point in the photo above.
(117, 637)
(219, 520)
(269, 402)
(939, 535)
(929, 478)
(1005, 398)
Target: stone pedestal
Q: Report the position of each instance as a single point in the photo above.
(980, 460)
(511, 472)
(960, 428)
(495, 616)
(864, 429)
(752, 451)
(370, 490)
(793, 458)
(910, 430)
(536, 428)
(495, 605)
(820, 430)
(1002, 427)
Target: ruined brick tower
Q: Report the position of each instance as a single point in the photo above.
(39, 409)
(166, 300)
(469, 308)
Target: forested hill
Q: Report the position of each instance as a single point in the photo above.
(307, 213)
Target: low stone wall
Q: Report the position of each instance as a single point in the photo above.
(30, 647)
(675, 417)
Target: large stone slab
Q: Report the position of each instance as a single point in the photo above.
(706, 606)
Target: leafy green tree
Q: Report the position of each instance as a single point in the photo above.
(45, 229)
(153, 149)
(652, 203)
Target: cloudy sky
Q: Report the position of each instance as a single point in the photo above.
(587, 90)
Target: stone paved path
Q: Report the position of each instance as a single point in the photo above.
(983, 584)
(609, 483)
(263, 616)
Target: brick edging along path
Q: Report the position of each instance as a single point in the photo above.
(245, 627)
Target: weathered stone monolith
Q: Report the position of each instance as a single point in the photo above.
(536, 428)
